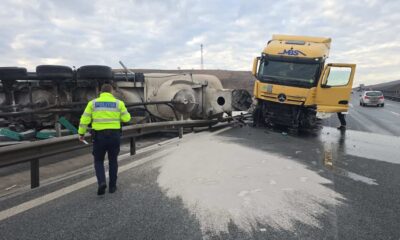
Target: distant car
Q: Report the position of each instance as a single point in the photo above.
(372, 98)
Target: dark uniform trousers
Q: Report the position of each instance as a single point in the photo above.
(342, 119)
(106, 141)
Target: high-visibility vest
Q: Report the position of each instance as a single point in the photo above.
(104, 112)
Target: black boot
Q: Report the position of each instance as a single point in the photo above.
(342, 127)
(112, 189)
(102, 189)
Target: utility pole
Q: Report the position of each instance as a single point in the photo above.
(201, 60)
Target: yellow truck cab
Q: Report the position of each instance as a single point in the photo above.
(293, 82)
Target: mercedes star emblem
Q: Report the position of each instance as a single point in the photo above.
(282, 97)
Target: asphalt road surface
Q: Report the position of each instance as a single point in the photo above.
(17, 177)
(233, 183)
(371, 119)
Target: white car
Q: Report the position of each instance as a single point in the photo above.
(372, 98)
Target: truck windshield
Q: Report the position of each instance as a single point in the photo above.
(289, 73)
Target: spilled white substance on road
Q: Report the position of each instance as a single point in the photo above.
(220, 181)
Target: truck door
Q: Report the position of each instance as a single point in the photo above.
(334, 88)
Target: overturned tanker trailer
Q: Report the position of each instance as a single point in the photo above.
(38, 99)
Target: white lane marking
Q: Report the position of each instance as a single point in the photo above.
(59, 193)
(44, 199)
(395, 113)
(9, 188)
(360, 178)
(86, 169)
(64, 191)
(351, 105)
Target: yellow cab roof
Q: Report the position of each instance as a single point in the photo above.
(298, 46)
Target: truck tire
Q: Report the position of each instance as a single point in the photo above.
(54, 72)
(95, 72)
(257, 116)
(12, 73)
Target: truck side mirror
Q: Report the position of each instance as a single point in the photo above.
(255, 66)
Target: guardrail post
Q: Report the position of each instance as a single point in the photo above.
(35, 182)
(180, 130)
(133, 146)
(57, 126)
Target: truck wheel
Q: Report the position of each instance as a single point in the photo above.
(382, 105)
(12, 73)
(95, 72)
(294, 131)
(54, 72)
(256, 116)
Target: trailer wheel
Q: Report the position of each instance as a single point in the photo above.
(12, 73)
(54, 72)
(95, 72)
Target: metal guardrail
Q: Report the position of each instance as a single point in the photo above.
(391, 97)
(33, 151)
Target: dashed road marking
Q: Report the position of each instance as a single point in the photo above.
(395, 113)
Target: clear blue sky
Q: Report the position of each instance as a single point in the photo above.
(166, 34)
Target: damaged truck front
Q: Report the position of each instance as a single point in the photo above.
(295, 84)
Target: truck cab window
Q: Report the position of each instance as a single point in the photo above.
(338, 76)
(288, 73)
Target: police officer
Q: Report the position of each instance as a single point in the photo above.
(105, 113)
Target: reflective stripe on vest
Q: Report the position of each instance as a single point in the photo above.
(106, 120)
(106, 113)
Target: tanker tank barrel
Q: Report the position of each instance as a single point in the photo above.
(32, 100)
